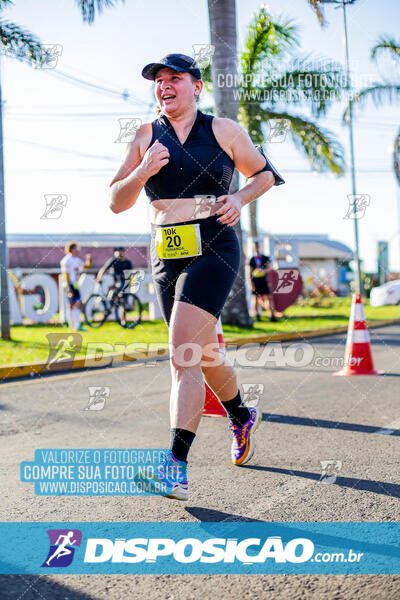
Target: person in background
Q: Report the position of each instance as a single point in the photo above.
(260, 265)
(117, 267)
(71, 267)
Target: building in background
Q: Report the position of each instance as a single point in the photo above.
(30, 252)
(320, 260)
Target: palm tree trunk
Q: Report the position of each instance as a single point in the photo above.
(253, 219)
(222, 18)
(396, 156)
(4, 301)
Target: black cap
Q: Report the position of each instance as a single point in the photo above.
(177, 62)
(119, 249)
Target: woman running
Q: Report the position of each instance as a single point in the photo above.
(185, 160)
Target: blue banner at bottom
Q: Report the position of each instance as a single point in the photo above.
(228, 547)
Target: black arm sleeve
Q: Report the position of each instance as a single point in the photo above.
(269, 167)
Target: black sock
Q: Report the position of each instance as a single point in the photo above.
(181, 440)
(237, 412)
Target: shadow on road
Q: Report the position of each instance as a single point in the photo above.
(32, 587)
(378, 487)
(325, 424)
(208, 515)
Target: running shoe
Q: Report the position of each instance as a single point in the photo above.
(171, 477)
(243, 443)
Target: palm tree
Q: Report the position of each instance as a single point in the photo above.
(88, 8)
(270, 95)
(222, 17)
(25, 46)
(318, 7)
(383, 92)
(315, 5)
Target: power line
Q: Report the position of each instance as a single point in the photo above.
(124, 94)
(75, 115)
(64, 150)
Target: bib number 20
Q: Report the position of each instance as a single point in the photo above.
(181, 241)
(173, 241)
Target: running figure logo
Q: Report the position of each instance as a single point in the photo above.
(203, 205)
(55, 204)
(287, 279)
(133, 280)
(97, 397)
(63, 347)
(278, 130)
(49, 58)
(203, 54)
(357, 206)
(330, 470)
(252, 393)
(127, 130)
(62, 547)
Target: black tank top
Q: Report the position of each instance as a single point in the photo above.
(199, 166)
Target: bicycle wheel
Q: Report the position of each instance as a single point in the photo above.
(128, 310)
(95, 311)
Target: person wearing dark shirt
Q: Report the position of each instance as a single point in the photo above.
(259, 267)
(117, 266)
(185, 160)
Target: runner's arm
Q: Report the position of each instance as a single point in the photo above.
(65, 277)
(248, 160)
(252, 266)
(131, 176)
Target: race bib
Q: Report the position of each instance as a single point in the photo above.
(180, 241)
(258, 273)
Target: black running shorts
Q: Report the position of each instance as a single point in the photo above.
(73, 294)
(261, 287)
(204, 281)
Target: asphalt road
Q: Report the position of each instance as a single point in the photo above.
(309, 416)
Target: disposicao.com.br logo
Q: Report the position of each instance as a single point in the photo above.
(204, 547)
(213, 550)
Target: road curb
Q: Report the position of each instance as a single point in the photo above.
(17, 371)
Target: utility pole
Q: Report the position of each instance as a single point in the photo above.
(4, 300)
(343, 4)
(352, 159)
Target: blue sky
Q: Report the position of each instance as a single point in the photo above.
(60, 137)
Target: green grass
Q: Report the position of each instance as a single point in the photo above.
(29, 343)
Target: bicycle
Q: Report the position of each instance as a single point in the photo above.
(126, 305)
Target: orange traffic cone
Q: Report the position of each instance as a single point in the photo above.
(212, 406)
(357, 355)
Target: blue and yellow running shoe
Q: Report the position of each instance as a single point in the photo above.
(243, 443)
(170, 478)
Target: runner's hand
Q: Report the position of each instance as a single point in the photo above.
(229, 213)
(155, 158)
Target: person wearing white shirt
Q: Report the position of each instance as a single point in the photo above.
(71, 267)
